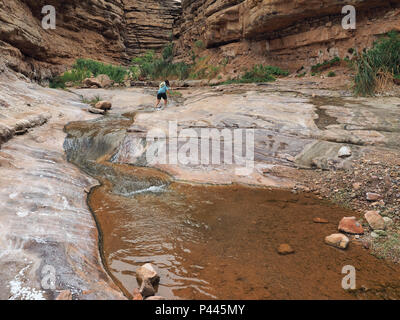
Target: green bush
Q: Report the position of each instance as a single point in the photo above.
(384, 57)
(326, 65)
(199, 44)
(85, 68)
(331, 74)
(149, 66)
(260, 73)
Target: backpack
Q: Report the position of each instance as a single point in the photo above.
(162, 85)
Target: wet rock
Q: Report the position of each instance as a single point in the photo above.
(375, 220)
(371, 196)
(320, 220)
(147, 273)
(350, 225)
(65, 295)
(156, 298)
(137, 295)
(146, 289)
(103, 105)
(96, 111)
(285, 249)
(344, 152)
(337, 240)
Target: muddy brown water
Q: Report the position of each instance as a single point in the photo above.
(219, 242)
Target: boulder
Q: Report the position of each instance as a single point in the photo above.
(103, 105)
(147, 273)
(101, 81)
(285, 249)
(350, 225)
(375, 220)
(337, 240)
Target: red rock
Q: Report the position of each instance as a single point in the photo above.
(337, 240)
(285, 249)
(350, 225)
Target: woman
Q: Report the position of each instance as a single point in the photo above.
(162, 93)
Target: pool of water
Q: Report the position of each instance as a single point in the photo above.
(217, 242)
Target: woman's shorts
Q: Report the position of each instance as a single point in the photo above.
(162, 95)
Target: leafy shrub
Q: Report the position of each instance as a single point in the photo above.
(85, 68)
(326, 65)
(149, 66)
(331, 74)
(259, 73)
(379, 61)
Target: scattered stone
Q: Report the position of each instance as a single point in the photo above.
(103, 105)
(375, 220)
(285, 249)
(97, 111)
(147, 273)
(337, 240)
(137, 295)
(350, 225)
(365, 244)
(344, 152)
(371, 196)
(64, 295)
(320, 220)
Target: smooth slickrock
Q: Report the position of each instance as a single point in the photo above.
(337, 240)
(46, 226)
(350, 225)
(375, 220)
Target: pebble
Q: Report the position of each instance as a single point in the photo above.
(285, 249)
(337, 240)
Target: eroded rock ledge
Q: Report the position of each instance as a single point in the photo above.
(291, 34)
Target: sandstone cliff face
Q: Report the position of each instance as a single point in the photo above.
(105, 30)
(291, 33)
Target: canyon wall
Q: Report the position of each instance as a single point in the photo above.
(105, 30)
(289, 33)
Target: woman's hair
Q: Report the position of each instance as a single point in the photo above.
(167, 82)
